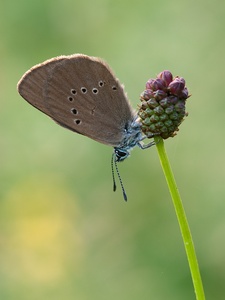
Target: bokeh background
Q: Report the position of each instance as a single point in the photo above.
(63, 233)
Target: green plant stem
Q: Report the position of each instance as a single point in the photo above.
(182, 220)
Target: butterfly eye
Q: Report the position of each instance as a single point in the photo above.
(114, 88)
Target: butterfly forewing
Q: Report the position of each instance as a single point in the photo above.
(31, 85)
(82, 94)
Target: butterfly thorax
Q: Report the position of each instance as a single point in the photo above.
(132, 136)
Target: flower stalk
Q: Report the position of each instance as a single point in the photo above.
(182, 220)
(162, 110)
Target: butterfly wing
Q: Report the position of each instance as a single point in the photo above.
(31, 85)
(80, 93)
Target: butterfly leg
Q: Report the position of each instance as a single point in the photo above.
(145, 146)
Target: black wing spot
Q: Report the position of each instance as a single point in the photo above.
(77, 121)
(73, 92)
(101, 83)
(74, 111)
(95, 91)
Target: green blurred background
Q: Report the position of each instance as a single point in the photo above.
(63, 233)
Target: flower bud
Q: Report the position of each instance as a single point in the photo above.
(147, 94)
(156, 84)
(159, 94)
(177, 86)
(149, 84)
(152, 103)
(163, 105)
(166, 76)
(185, 93)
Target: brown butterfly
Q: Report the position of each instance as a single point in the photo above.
(81, 93)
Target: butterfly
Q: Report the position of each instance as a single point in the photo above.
(82, 94)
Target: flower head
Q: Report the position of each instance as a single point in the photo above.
(163, 105)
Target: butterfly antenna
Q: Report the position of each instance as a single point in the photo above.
(113, 175)
(118, 174)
